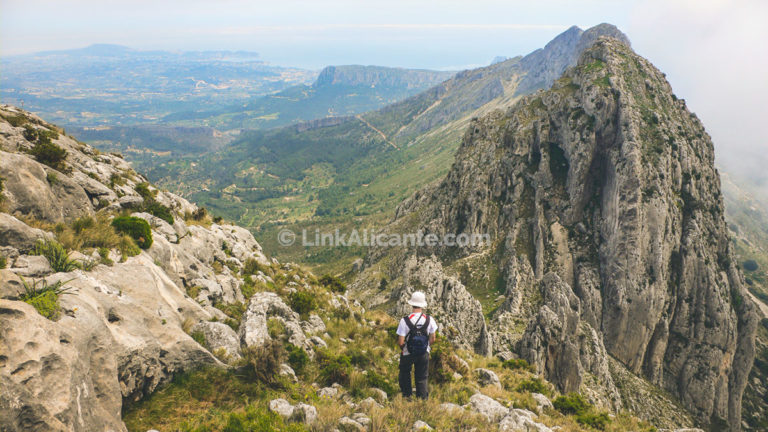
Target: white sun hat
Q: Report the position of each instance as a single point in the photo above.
(418, 299)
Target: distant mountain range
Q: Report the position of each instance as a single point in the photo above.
(116, 85)
(338, 91)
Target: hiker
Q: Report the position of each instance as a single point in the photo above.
(415, 333)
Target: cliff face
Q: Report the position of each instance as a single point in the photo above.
(609, 237)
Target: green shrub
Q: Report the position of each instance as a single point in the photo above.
(127, 247)
(750, 265)
(49, 154)
(439, 361)
(43, 297)
(533, 385)
(572, 403)
(297, 358)
(56, 255)
(515, 364)
(234, 312)
(380, 382)
(359, 358)
(116, 180)
(334, 369)
(333, 283)
(52, 178)
(143, 190)
(3, 262)
(302, 302)
(252, 266)
(263, 362)
(83, 223)
(135, 227)
(156, 209)
(596, 420)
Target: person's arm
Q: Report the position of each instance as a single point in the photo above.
(401, 341)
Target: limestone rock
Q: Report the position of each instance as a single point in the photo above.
(519, 420)
(542, 402)
(11, 286)
(448, 298)
(253, 328)
(219, 336)
(486, 377)
(287, 371)
(346, 424)
(327, 392)
(19, 235)
(31, 266)
(304, 413)
(488, 407)
(421, 426)
(281, 407)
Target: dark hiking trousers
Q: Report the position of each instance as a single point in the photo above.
(420, 365)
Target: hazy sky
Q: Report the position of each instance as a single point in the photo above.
(715, 52)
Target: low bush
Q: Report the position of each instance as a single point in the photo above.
(597, 420)
(333, 283)
(333, 368)
(263, 362)
(518, 364)
(156, 209)
(135, 227)
(302, 302)
(572, 403)
(56, 255)
(750, 265)
(380, 382)
(44, 149)
(252, 267)
(3, 262)
(44, 297)
(297, 358)
(440, 361)
(533, 385)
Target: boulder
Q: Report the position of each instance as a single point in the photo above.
(281, 407)
(487, 407)
(11, 286)
(420, 426)
(32, 266)
(487, 377)
(287, 371)
(369, 403)
(346, 424)
(327, 392)
(219, 336)
(17, 234)
(542, 402)
(519, 420)
(253, 328)
(304, 413)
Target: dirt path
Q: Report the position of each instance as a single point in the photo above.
(359, 117)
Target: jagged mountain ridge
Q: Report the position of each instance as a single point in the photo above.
(609, 240)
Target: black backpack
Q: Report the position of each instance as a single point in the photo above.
(417, 339)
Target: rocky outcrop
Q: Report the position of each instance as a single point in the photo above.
(607, 230)
(459, 313)
(262, 307)
(122, 330)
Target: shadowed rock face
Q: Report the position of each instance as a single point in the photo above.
(602, 197)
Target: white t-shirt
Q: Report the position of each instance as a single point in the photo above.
(418, 319)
